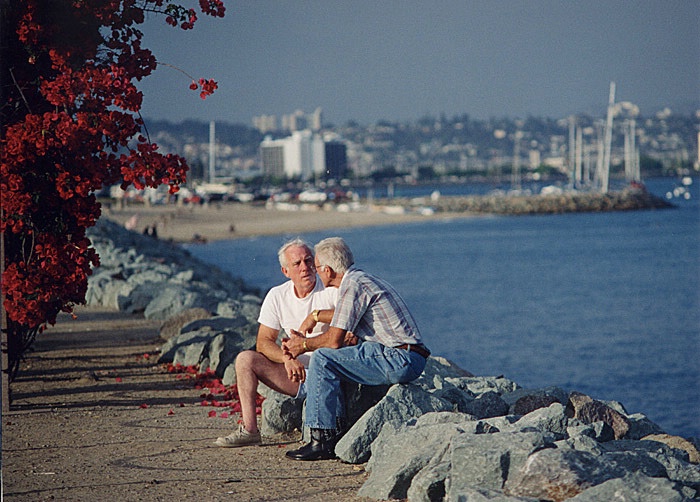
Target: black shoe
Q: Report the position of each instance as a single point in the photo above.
(321, 447)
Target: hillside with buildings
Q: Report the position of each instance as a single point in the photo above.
(300, 147)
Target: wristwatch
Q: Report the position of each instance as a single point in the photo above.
(314, 314)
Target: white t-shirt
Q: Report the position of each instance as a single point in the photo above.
(283, 310)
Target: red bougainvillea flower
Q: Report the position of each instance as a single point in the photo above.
(217, 394)
(70, 126)
(208, 87)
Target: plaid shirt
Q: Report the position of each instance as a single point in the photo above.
(373, 310)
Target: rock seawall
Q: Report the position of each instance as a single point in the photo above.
(449, 435)
(629, 199)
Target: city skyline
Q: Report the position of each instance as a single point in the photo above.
(368, 61)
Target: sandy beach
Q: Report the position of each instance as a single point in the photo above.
(237, 220)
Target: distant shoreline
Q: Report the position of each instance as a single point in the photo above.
(227, 221)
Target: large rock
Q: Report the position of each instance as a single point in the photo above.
(556, 474)
(210, 343)
(399, 453)
(674, 461)
(587, 410)
(480, 385)
(678, 443)
(634, 487)
(486, 405)
(172, 298)
(528, 400)
(172, 326)
(551, 419)
(489, 460)
(401, 403)
(280, 413)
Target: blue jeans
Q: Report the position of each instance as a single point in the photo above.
(367, 363)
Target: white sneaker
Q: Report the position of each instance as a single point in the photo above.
(239, 438)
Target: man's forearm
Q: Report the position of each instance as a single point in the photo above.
(333, 338)
(324, 316)
(270, 350)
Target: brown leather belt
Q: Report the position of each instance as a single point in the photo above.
(418, 349)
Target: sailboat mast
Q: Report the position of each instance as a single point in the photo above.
(212, 151)
(608, 140)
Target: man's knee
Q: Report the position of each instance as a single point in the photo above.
(320, 356)
(245, 360)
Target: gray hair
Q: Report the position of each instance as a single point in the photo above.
(298, 242)
(335, 253)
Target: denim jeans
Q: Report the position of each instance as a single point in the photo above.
(367, 363)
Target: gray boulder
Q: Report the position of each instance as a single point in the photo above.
(280, 413)
(401, 403)
(481, 385)
(551, 419)
(634, 487)
(488, 460)
(400, 452)
(531, 399)
(486, 405)
(600, 431)
(210, 343)
(172, 298)
(556, 474)
(172, 326)
(588, 410)
(640, 426)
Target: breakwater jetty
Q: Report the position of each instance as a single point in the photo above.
(628, 199)
(450, 435)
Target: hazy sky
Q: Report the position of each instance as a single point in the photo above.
(368, 60)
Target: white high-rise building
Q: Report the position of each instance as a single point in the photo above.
(301, 155)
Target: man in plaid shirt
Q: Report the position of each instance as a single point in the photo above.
(390, 350)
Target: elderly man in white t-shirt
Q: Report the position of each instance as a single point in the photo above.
(285, 307)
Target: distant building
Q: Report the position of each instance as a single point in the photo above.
(272, 155)
(305, 156)
(315, 120)
(294, 122)
(265, 123)
(297, 121)
(300, 155)
(336, 160)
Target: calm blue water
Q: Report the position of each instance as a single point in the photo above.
(605, 304)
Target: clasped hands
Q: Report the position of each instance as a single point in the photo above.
(296, 345)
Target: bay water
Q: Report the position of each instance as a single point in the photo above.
(607, 304)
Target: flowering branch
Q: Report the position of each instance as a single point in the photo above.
(69, 114)
(208, 86)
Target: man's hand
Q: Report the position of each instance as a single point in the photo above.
(308, 325)
(294, 345)
(295, 370)
(349, 340)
